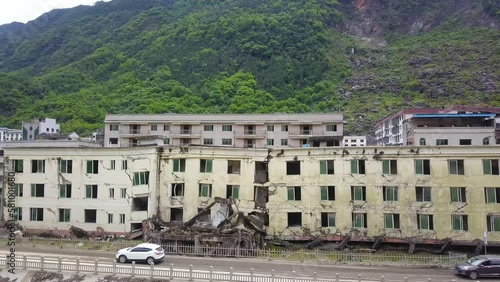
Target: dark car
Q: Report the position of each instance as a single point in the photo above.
(479, 266)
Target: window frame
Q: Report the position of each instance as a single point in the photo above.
(63, 191)
(390, 193)
(327, 167)
(357, 190)
(294, 193)
(205, 190)
(327, 193)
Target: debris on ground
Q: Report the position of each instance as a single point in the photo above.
(220, 223)
(43, 276)
(78, 232)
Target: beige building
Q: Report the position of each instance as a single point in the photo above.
(402, 193)
(354, 141)
(227, 130)
(86, 187)
(399, 193)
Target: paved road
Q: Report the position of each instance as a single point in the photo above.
(391, 274)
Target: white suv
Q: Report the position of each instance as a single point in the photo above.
(149, 253)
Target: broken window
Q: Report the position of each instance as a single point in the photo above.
(425, 221)
(233, 167)
(458, 195)
(493, 222)
(65, 191)
(179, 165)
(66, 166)
(465, 142)
(36, 214)
(177, 189)
(261, 196)
(359, 220)
(206, 166)
(293, 168)
(326, 167)
(91, 191)
(64, 215)
(456, 167)
(492, 195)
(327, 193)
(37, 190)
(233, 191)
(93, 167)
(261, 174)
(18, 189)
(140, 204)
(327, 219)
(122, 218)
(391, 221)
(490, 167)
(18, 166)
(358, 166)
(37, 166)
(459, 222)
(294, 219)
(390, 167)
(141, 178)
(205, 190)
(423, 167)
(390, 193)
(176, 214)
(90, 216)
(294, 193)
(423, 194)
(358, 193)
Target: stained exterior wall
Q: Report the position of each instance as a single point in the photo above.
(311, 206)
(138, 160)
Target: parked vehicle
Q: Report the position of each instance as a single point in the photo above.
(146, 252)
(479, 266)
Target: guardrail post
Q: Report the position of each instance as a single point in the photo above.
(42, 261)
(315, 276)
(190, 272)
(211, 274)
(359, 277)
(293, 276)
(133, 268)
(59, 262)
(251, 274)
(171, 271)
(96, 265)
(152, 271)
(429, 280)
(114, 267)
(272, 275)
(231, 274)
(406, 279)
(337, 277)
(382, 279)
(78, 265)
(7, 261)
(24, 262)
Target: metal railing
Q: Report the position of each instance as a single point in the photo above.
(314, 255)
(97, 267)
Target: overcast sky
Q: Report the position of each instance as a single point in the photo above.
(27, 10)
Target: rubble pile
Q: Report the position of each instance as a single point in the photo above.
(227, 227)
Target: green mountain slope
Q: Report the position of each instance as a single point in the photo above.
(240, 56)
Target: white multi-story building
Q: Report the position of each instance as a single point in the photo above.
(7, 134)
(33, 128)
(228, 130)
(86, 187)
(354, 141)
(457, 125)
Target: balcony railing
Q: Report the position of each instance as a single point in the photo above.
(250, 133)
(185, 133)
(136, 132)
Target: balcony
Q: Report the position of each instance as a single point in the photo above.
(135, 132)
(138, 215)
(250, 134)
(308, 133)
(140, 190)
(185, 133)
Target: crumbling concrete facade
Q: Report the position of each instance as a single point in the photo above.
(99, 190)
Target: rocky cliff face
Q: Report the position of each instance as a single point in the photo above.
(373, 20)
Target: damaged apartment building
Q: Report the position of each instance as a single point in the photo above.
(409, 195)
